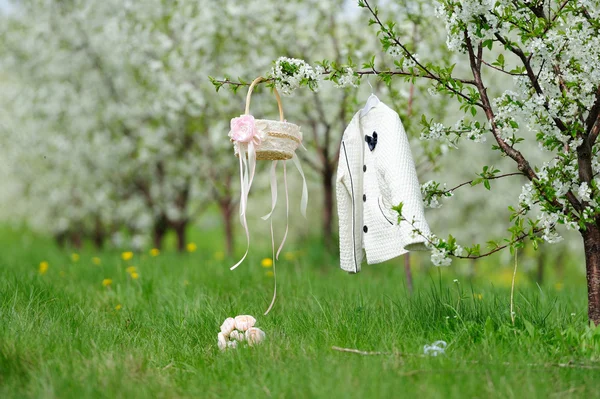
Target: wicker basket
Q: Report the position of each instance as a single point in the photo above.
(279, 139)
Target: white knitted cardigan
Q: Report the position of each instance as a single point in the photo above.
(369, 182)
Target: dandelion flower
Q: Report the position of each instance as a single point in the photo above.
(96, 261)
(134, 275)
(559, 286)
(154, 252)
(131, 269)
(118, 307)
(75, 257)
(478, 296)
(191, 247)
(44, 267)
(267, 262)
(127, 255)
(107, 282)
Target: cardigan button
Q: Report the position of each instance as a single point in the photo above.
(364, 168)
(365, 229)
(364, 197)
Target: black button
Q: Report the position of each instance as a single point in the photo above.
(364, 197)
(365, 229)
(364, 168)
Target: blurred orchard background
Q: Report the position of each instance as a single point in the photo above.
(112, 134)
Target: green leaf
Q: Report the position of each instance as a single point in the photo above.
(489, 327)
(529, 327)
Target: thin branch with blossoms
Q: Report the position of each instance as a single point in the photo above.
(434, 242)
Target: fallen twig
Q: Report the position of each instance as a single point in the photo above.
(545, 365)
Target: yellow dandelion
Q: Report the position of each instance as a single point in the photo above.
(127, 255)
(154, 252)
(559, 286)
(44, 267)
(118, 307)
(289, 256)
(478, 296)
(131, 269)
(107, 282)
(74, 257)
(134, 275)
(96, 261)
(219, 255)
(269, 273)
(267, 262)
(191, 247)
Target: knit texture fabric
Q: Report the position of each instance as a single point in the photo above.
(369, 182)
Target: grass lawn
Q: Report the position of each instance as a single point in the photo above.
(64, 334)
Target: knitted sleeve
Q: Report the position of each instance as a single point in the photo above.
(400, 178)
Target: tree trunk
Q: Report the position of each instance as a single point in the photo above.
(591, 245)
(180, 228)
(76, 240)
(226, 214)
(327, 181)
(99, 235)
(408, 272)
(159, 230)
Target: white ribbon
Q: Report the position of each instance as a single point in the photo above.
(247, 169)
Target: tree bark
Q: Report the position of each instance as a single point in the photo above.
(591, 245)
(99, 234)
(180, 230)
(226, 208)
(159, 230)
(327, 182)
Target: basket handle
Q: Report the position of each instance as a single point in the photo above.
(249, 95)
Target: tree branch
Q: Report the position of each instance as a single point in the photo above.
(489, 178)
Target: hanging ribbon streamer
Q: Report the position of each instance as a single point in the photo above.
(274, 273)
(247, 169)
(304, 200)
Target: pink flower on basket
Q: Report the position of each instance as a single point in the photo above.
(244, 130)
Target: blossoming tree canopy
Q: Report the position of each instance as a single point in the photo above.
(551, 51)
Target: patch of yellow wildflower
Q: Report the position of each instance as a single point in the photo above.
(107, 282)
(267, 262)
(43, 267)
(559, 286)
(118, 307)
(134, 275)
(154, 252)
(96, 261)
(131, 269)
(75, 257)
(127, 255)
(191, 247)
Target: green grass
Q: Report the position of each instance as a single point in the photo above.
(61, 335)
